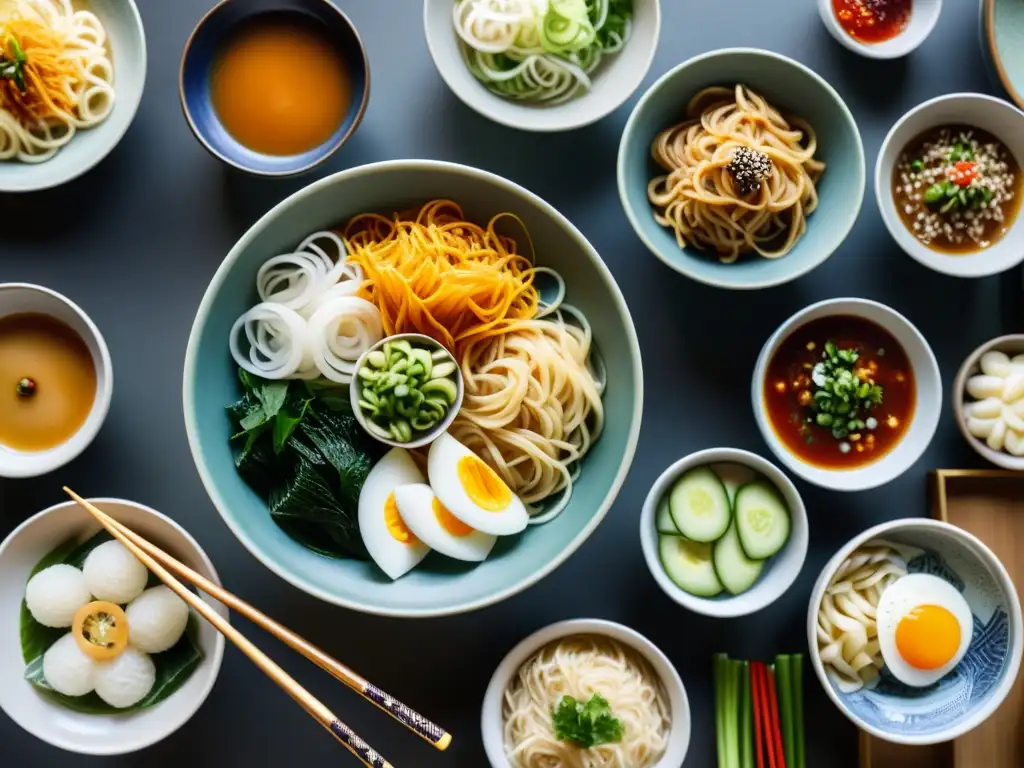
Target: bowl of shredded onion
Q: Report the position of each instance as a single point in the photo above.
(543, 65)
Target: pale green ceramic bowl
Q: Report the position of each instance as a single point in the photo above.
(790, 87)
(439, 586)
(1002, 41)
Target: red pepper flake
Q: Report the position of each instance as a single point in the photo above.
(872, 21)
(963, 173)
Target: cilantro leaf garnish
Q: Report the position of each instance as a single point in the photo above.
(586, 725)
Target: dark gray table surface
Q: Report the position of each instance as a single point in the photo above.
(136, 241)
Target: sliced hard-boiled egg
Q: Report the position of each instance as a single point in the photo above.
(924, 628)
(388, 539)
(472, 491)
(438, 528)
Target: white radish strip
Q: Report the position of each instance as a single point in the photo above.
(995, 364)
(981, 387)
(1014, 442)
(997, 435)
(989, 408)
(277, 339)
(339, 332)
(981, 428)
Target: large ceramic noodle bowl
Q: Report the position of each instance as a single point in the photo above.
(480, 284)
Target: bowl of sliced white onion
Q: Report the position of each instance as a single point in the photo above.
(988, 400)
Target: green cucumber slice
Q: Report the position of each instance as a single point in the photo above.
(688, 564)
(663, 519)
(762, 520)
(734, 569)
(700, 506)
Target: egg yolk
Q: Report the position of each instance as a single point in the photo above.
(482, 485)
(448, 521)
(396, 525)
(101, 630)
(928, 637)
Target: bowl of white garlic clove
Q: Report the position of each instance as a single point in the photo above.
(988, 400)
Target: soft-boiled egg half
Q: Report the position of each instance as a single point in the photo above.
(438, 528)
(391, 544)
(473, 492)
(924, 628)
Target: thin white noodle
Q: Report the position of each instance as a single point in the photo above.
(91, 91)
(581, 667)
(532, 407)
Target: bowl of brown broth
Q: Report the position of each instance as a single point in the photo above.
(847, 394)
(274, 87)
(949, 184)
(56, 380)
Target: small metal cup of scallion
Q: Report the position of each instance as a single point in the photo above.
(407, 390)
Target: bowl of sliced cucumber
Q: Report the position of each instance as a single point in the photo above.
(724, 532)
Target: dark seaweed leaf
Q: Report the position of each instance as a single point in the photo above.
(307, 508)
(173, 667)
(285, 423)
(340, 439)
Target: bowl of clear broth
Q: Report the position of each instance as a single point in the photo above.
(949, 184)
(56, 380)
(847, 394)
(274, 87)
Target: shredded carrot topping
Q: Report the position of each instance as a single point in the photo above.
(47, 72)
(434, 273)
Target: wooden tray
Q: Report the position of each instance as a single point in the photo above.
(989, 504)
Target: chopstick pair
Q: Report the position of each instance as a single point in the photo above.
(155, 559)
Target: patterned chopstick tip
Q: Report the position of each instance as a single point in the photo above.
(428, 730)
(362, 750)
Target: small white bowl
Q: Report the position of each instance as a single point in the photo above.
(492, 720)
(780, 570)
(998, 117)
(355, 390)
(928, 401)
(923, 16)
(16, 298)
(936, 714)
(49, 721)
(126, 41)
(1012, 344)
(613, 82)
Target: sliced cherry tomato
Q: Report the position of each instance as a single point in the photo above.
(101, 630)
(963, 173)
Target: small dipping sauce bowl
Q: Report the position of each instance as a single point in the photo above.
(23, 298)
(1010, 345)
(419, 438)
(923, 16)
(201, 57)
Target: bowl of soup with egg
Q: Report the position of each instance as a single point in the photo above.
(847, 394)
(56, 380)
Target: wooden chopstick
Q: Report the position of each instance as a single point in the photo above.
(408, 717)
(363, 751)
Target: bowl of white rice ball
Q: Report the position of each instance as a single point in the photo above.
(107, 661)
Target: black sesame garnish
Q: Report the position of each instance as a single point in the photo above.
(26, 387)
(748, 168)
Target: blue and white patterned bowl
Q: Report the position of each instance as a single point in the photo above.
(201, 52)
(976, 687)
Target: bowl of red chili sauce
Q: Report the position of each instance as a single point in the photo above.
(847, 394)
(880, 29)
